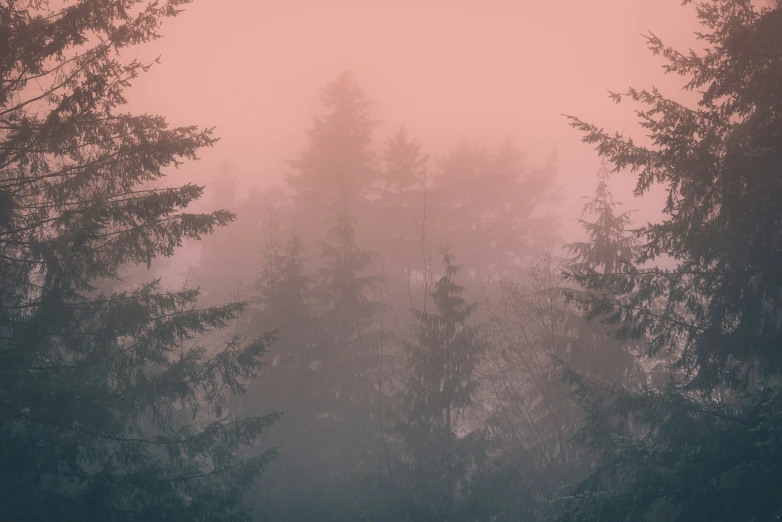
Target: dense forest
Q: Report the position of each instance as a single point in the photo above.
(387, 336)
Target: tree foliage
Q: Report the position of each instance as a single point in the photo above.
(703, 447)
(110, 409)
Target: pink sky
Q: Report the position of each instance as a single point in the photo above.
(477, 69)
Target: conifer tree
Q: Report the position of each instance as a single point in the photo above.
(284, 303)
(346, 310)
(610, 249)
(701, 448)
(109, 408)
(536, 330)
(441, 387)
(340, 410)
(339, 158)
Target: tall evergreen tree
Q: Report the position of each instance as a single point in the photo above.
(339, 158)
(533, 329)
(284, 303)
(109, 408)
(347, 311)
(441, 448)
(398, 210)
(338, 418)
(610, 249)
(704, 447)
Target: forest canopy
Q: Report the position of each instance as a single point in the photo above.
(390, 334)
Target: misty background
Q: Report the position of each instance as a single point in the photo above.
(448, 71)
(379, 261)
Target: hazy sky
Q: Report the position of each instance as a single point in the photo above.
(477, 69)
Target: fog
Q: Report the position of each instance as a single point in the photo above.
(390, 261)
(447, 70)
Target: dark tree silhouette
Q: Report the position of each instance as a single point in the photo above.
(703, 447)
(110, 408)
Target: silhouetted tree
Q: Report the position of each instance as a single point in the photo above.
(702, 447)
(533, 329)
(441, 448)
(323, 371)
(610, 249)
(109, 407)
(283, 302)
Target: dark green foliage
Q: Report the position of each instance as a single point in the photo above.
(110, 409)
(439, 457)
(293, 487)
(347, 312)
(610, 249)
(671, 455)
(720, 162)
(705, 446)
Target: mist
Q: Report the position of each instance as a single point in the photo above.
(448, 71)
(391, 261)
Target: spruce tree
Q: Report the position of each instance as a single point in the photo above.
(441, 448)
(704, 446)
(339, 158)
(610, 248)
(347, 311)
(337, 416)
(110, 409)
(534, 330)
(284, 303)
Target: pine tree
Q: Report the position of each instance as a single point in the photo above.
(347, 311)
(336, 415)
(283, 303)
(339, 158)
(109, 408)
(610, 249)
(702, 447)
(441, 387)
